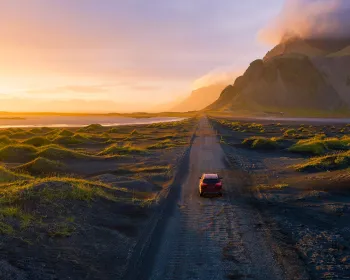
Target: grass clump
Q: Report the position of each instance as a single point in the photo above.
(165, 144)
(56, 152)
(67, 140)
(289, 132)
(40, 130)
(41, 166)
(80, 138)
(37, 141)
(17, 153)
(15, 212)
(318, 145)
(91, 128)
(261, 143)
(325, 163)
(51, 189)
(65, 132)
(5, 140)
(115, 149)
(9, 176)
(22, 135)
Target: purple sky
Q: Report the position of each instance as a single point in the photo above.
(125, 50)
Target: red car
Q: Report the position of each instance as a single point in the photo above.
(210, 184)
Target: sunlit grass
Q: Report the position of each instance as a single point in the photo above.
(263, 143)
(318, 145)
(9, 176)
(324, 163)
(127, 149)
(37, 141)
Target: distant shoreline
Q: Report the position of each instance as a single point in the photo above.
(12, 118)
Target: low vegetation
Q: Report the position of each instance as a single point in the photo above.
(42, 166)
(67, 140)
(10, 176)
(319, 146)
(56, 152)
(116, 149)
(45, 206)
(326, 163)
(261, 143)
(37, 141)
(17, 153)
(5, 140)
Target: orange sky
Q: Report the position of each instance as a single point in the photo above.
(131, 53)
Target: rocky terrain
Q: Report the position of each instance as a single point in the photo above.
(297, 77)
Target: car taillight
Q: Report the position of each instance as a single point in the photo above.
(218, 185)
(204, 185)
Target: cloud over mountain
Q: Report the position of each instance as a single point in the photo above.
(309, 19)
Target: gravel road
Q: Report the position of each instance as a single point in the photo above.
(210, 238)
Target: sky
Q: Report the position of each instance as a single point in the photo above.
(137, 52)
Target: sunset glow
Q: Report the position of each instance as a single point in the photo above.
(123, 52)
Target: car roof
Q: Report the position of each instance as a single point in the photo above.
(210, 176)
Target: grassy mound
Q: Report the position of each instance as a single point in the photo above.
(135, 133)
(4, 140)
(65, 132)
(22, 135)
(41, 166)
(91, 128)
(37, 141)
(17, 153)
(165, 144)
(121, 150)
(81, 138)
(261, 143)
(5, 132)
(67, 140)
(56, 152)
(47, 197)
(9, 176)
(325, 163)
(318, 146)
(114, 130)
(36, 130)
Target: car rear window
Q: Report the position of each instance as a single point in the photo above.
(210, 181)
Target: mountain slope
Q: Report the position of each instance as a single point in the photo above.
(199, 98)
(297, 75)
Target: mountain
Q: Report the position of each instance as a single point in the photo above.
(297, 75)
(199, 98)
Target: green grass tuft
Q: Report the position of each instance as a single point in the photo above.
(17, 153)
(65, 132)
(41, 166)
(5, 140)
(261, 143)
(326, 163)
(56, 152)
(318, 145)
(9, 176)
(91, 128)
(37, 141)
(121, 150)
(67, 140)
(165, 144)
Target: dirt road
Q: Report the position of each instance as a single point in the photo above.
(211, 238)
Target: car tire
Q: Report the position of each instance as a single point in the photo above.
(200, 194)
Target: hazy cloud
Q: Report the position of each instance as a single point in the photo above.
(309, 19)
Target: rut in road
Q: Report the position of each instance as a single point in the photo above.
(212, 238)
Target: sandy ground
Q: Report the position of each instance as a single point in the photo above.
(212, 238)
